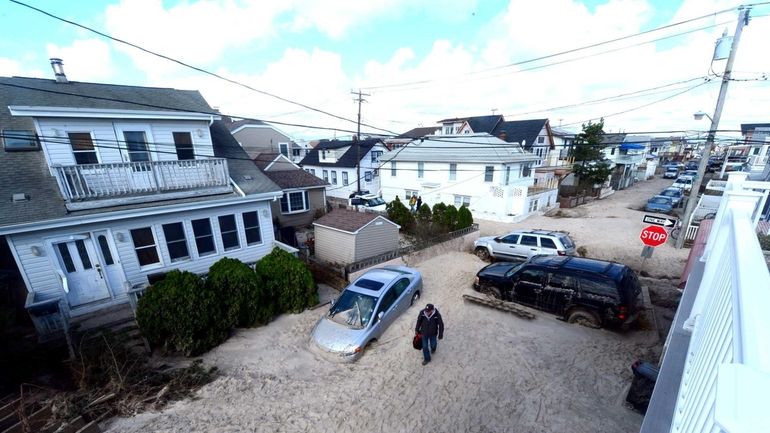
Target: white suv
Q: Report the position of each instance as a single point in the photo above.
(523, 244)
(367, 201)
(684, 182)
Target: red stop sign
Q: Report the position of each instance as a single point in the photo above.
(653, 236)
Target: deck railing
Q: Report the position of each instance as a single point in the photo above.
(111, 180)
(727, 367)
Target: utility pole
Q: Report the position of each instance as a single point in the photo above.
(360, 99)
(743, 20)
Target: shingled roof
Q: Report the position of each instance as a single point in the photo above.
(524, 132)
(288, 179)
(348, 220)
(347, 160)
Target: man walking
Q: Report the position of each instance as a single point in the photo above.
(430, 325)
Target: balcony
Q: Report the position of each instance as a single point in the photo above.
(88, 186)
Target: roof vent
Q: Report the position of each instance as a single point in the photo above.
(58, 70)
(20, 196)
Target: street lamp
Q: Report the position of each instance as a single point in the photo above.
(699, 115)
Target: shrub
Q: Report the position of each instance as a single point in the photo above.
(464, 218)
(582, 251)
(400, 214)
(438, 214)
(424, 214)
(287, 281)
(181, 314)
(450, 218)
(244, 303)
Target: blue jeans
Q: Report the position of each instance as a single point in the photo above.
(432, 341)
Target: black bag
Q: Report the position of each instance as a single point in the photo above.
(417, 342)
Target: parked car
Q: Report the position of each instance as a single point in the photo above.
(675, 194)
(365, 309)
(367, 201)
(684, 182)
(691, 173)
(691, 165)
(671, 173)
(659, 204)
(523, 244)
(579, 290)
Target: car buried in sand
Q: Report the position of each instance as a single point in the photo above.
(365, 309)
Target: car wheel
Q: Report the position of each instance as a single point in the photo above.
(492, 291)
(415, 297)
(482, 253)
(584, 317)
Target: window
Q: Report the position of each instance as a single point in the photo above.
(462, 200)
(83, 148)
(251, 228)
(204, 237)
(284, 149)
(510, 239)
(345, 178)
(489, 173)
(526, 169)
(136, 143)
(400, 286)
(598, 287)
(534, 276)
(15, 139)
(420, 170)
(334, 177)
(184, 145)
(388, 299)
(176, 242)
(295, 201)
(229, 232)
(533, 205)
(540, 140)
(452, 171)
(507, 174)
(376, 154)
(368, 176)
(326, 175)
(144, 245)
(547, 243)
(393, 168)
(80, 245)
(66, 257)
(105, 247)
(295, 152)
(561, 282)
(447, 130)
(612, 151)
(409, 193)
(530, 241)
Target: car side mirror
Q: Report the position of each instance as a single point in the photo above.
(331, 302)
(380, 315)
(497, 239)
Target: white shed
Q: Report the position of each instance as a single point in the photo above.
(344, 236)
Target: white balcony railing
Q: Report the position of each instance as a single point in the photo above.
(727, 369)
(114, 180)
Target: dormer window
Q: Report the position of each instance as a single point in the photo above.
(83, 148)
(17, 139)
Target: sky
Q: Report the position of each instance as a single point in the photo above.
(418, 61)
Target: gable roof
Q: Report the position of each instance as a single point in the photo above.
(471, 148)
(347, 160)
(524, 132)
(746, 127)
(27, 172)
(264, 159)
(290, 179)
(419, 132)
(478, 123)
(348, 220)
(613, 139)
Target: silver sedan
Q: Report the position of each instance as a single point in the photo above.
(365, 309)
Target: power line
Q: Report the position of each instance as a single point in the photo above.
(560, 53)
(187, 65)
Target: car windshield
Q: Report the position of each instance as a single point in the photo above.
(375, 201)
(566, 241)
(660, 200)
(514, 269)
(670, 193)
(353, 310)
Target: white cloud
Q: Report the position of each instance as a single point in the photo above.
(84, 59)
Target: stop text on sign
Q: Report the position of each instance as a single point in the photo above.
(653, 236)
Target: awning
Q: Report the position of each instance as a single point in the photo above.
(632, 146)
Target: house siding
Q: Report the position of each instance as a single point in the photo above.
(42, 278)
(261, 139)
(334, 246)
(378, 237)
(341, 191)
(316, 196)
(106, 140)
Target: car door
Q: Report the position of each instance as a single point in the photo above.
(386, 307)
(506, 246)
(548, 246)
(557, 293)
(403, 296)
(528, 246)
(528, 283)
(597, 293)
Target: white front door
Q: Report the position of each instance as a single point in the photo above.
(85, 277)
(113, 271)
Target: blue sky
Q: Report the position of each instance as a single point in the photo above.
(316, 52)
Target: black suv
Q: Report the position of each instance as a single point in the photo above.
(580, 290)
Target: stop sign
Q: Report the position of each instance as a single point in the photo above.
(653, 236)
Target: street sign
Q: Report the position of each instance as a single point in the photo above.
(653, 236)
(665, 222)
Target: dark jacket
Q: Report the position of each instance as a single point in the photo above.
(430, 326)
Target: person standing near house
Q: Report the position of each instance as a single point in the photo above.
(419, 204)
(412, 202)
(430, 325)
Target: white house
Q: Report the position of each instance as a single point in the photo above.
(490, 176)
(757, 137)
(335, 161)
(106, 188)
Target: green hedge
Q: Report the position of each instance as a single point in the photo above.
(245, 303)
(288, 281)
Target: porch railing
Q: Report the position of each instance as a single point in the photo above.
(97, 181)
(727, 367)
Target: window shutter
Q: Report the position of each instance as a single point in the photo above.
(307, 200)
(284, 203)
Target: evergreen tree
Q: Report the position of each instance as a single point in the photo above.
(590, 165)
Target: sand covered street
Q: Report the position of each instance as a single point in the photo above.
(493, 372)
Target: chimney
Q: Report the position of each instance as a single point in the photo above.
(58, 70)
(503, 135)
